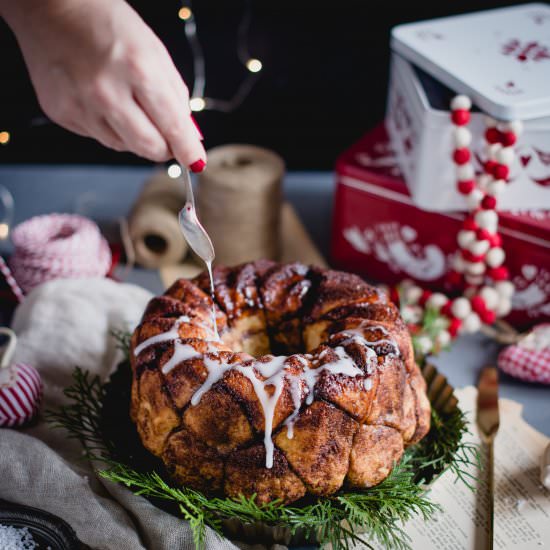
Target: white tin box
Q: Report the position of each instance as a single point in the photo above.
(501, 60)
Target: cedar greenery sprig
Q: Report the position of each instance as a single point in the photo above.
(339, 519)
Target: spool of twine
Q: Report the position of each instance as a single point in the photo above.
(239, 202)
(153, 223)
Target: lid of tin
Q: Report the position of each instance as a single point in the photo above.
(500, 58)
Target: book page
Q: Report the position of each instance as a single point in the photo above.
(522, 503)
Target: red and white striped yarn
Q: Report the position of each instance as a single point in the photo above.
(12, 283)
(58, 246)
(20, 395)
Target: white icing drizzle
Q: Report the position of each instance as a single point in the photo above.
(214, 324)
(273, 373)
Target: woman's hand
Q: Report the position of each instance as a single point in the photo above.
(101, 72)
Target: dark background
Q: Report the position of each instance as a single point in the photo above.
(323, 85)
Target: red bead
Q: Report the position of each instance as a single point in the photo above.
(461, 156)
(488, 316)
(492, 135)
(483, 235)
(489, 166)
(466, 186)
(499, 273)
(453, 278)
(460, 117)
(489, 202)
(424, 297)
(478, 304)
(495, 240)
(470, 224)
(470, 257)
(446, 309)
(454, 326)
(508, 138)
(501, 172)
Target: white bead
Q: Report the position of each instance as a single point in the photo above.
(459, 264)
(424, 344)
(461, 308)
(474, 198)
(478, 247)
(472, 323)
(476, 268)
(504, 307)
(462, 137)
(515, 126)
(412, 294)
(469, 292)
(492, 150)
(495, 257)
(465, 172)
(484, 180)
(411, 314)
(436, 300)
(465, 237)
(444, 338)
(506, 156)
(487, 219)
(490, 296)
(490, 122)
(505, 288)
(474, 279)
(461, 102)
(496, 187)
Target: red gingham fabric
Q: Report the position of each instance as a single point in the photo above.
(20, 395)
(58, 246)
(530, 361)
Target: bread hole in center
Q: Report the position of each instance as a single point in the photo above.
(236, 162)
(155, 243)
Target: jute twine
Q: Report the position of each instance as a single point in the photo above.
(239, 202)
(153, 223)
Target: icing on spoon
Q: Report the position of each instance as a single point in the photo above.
(197, 237)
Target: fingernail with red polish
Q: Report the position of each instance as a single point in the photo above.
(197, 127)
(197, 166)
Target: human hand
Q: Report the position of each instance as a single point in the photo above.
(100, 71)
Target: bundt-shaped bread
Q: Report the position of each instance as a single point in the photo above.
(334, 406)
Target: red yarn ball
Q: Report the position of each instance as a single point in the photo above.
(488, 316)
(499, 273)
(489, 202)
(471, 257)
(492, 135)
(508, 138)
(470, 224)
(454, 278)
(460, 117)
(446, 309)
(478, 304)
(501, 172)
(466, 186)
(454, 326)
(462, 155)
(495, 240)
(483, 235)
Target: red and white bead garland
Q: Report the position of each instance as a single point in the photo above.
(478, 267)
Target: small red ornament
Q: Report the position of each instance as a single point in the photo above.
(471, 257)
(499, 273)
(495, 240)
(460, 117)
(478, 304)
(489, 166)
(466, 186)
(454, 326)
(488, 316)
(453, 278)
(489, 202)
(446, 309)
(483, 235)
(492, 135)
(424, 297)
(462, 155)
(501, 172)
(508, 138)
(470, 224)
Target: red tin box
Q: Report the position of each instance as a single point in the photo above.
(378, 232)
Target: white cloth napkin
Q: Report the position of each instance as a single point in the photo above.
(62, 324)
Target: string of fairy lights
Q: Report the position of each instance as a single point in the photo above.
(199, 100)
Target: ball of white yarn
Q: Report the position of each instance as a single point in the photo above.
(490, 296)
(436, 300)
(462, 137)
(504, 306)
(487, 219)
(478, 247)
(412, 294)
(461, 102)
(465, 237)
(475, 268)
(506, 156)
(505, 288)
(472, 323)
(461, 307)
(496, 187)
(443, 338)
(474, 198)
(495, 257)
(424, 344)
(465, 172)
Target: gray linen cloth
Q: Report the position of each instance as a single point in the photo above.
(62, 324)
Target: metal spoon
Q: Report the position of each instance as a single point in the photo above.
(191, 227)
